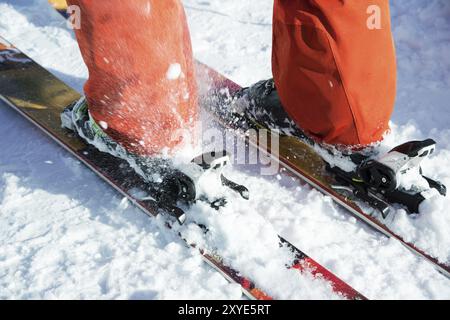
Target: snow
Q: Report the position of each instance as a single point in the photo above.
(103, 124)
(148, 8)
(66, 234)
(174, 71)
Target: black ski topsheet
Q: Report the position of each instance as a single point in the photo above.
(299, 158)
(40, 97)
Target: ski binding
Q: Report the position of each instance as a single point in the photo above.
(378, 182)
(181, 186)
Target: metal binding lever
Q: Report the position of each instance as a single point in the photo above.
(215, 162)
(181, 185)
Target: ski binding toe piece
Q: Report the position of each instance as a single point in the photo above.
(380, 183)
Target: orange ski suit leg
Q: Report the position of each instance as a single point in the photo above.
(334, 67)
(141, 87)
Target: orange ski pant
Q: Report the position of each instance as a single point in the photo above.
(141, 87)
(333, 64)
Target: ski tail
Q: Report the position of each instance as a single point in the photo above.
(304, 263)
(248, 287)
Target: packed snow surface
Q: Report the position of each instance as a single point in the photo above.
(174, 71)
(66, 234)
